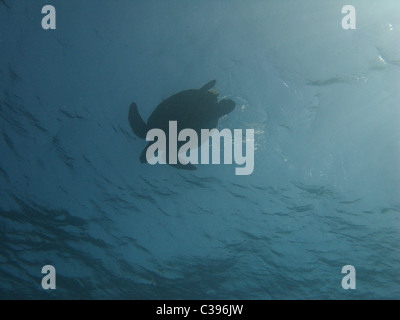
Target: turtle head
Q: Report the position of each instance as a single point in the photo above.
(225, 106)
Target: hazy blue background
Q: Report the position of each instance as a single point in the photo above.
(324, 103)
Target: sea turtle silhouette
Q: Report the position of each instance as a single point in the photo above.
(195, 109)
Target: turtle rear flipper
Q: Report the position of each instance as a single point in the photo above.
(208, 85)
(178, 165)
(138, 126)
(181, 166)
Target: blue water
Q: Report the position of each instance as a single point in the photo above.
(324, 104)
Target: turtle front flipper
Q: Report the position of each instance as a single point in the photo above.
(143, 154)
(138, 126)
(208, 85)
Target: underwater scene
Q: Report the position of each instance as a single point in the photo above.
(190, 150)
